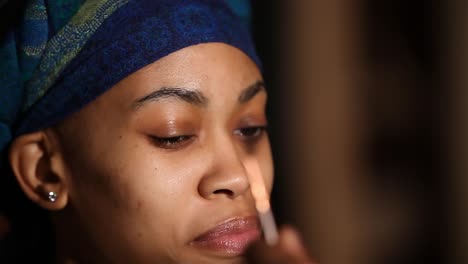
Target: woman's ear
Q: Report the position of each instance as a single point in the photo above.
(39, 169)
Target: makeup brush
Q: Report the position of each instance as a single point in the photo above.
(262, 201)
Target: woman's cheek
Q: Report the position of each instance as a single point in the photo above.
(266, 161)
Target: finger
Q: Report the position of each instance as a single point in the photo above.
(291, 242)
(289, 250)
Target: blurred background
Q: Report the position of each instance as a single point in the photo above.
(367, 109)
(366, 106)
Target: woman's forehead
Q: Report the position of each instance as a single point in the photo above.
(207, 68)
(206, 75)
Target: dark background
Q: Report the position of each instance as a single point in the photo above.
(406, 109)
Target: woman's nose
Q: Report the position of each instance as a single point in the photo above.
(226, 178)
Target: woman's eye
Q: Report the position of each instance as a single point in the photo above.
(171, 142)
(249, 133)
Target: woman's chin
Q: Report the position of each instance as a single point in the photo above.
(203, 258)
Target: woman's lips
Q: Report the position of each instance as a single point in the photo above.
(231, 237)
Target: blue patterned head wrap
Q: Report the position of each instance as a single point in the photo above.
(65, 53)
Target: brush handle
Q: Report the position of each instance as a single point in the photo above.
(270, 232)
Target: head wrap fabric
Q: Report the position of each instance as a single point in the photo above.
(242, 9)
(21, 50)
(51, 68)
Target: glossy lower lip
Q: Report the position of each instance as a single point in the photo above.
(231, 237)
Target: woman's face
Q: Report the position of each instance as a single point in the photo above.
(155, 165)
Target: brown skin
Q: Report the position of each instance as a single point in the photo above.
(126, 193)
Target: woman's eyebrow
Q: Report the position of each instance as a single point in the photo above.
(190, 96)
(193, 96)
(250, 92)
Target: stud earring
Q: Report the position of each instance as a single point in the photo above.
(52, 196)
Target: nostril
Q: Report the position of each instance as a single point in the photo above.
(223, 185)
(226, 192)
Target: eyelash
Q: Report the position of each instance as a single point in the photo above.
(251, 133)
(247, 134)
(171, 142)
